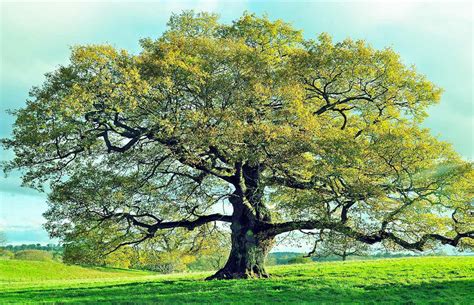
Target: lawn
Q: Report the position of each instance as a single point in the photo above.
(431, 280)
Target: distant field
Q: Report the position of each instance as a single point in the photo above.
(433, 280)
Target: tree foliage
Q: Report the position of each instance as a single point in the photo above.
(169, 251)
(335, 244)
(287, 133)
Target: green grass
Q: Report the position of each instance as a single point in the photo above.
(433, 280)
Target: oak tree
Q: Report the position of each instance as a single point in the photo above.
(248, 124)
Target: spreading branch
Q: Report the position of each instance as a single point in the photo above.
(280, 228)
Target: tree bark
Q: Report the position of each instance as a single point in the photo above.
(251, 239)
(250, 247)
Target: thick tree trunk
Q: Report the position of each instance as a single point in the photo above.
(248, 254)
(250, 242)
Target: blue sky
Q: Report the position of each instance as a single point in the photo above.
(36, 36)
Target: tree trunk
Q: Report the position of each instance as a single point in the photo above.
(248, 254)
(250, 242)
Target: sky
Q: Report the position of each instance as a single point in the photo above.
(36, 38)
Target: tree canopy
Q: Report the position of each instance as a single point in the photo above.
(334, 244)
(249, 124)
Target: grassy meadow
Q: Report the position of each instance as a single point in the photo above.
(429, 280)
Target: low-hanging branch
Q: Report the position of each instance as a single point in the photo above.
(339, 227)
(159, 224)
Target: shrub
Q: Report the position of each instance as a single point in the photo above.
(5, 254)
(299, 260)
(34, 255)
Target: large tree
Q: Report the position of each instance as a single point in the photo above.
(248, 124)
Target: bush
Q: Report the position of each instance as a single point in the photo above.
(5, 254)
(34, 255)
(299, 260)
(164, 262)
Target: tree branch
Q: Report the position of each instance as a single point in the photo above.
(279, 228)
(190, 225)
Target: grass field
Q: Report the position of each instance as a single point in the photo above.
(433, 280)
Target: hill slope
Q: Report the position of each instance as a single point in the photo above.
(448, 280)
(18, 271)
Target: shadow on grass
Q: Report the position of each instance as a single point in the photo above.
(308, 291)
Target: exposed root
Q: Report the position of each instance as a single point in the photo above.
(225, 274)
